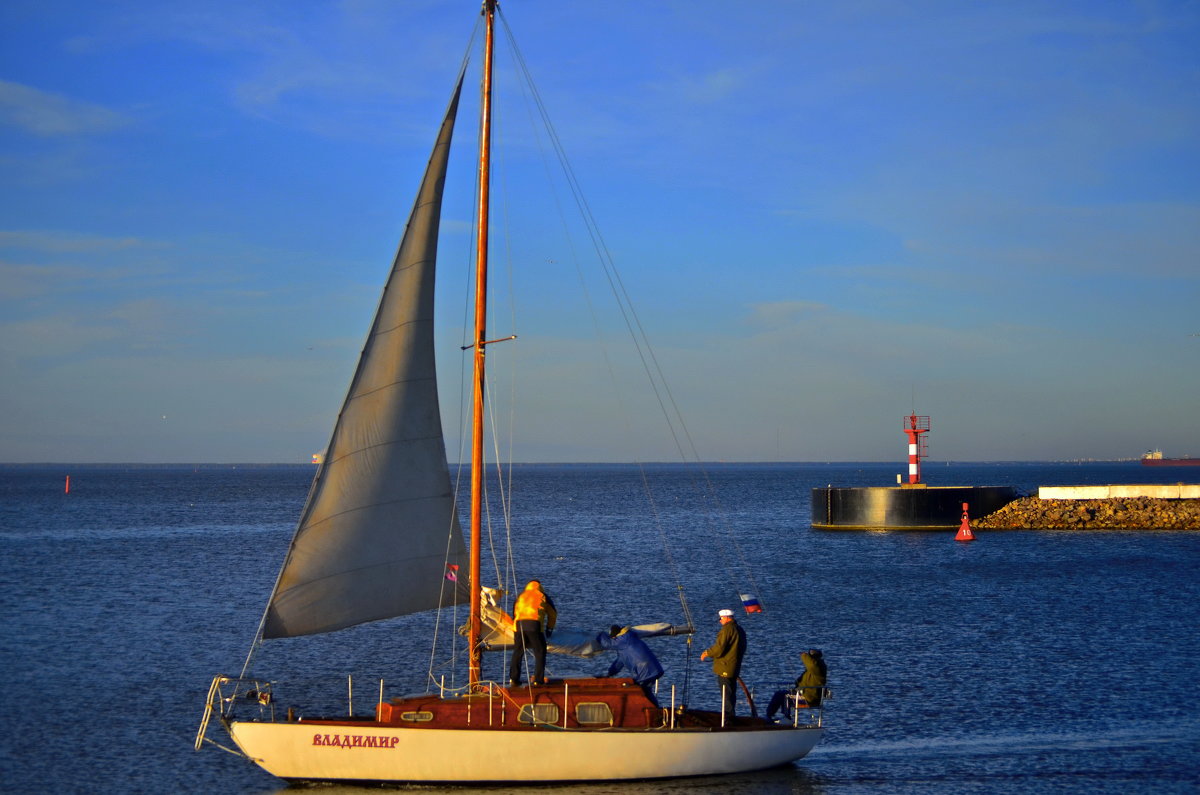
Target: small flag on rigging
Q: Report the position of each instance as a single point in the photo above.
(751, 603)
(452, 572)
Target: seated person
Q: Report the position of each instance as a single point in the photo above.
(809, 687)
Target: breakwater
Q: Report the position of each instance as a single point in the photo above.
(1114, 513)
(914, 507)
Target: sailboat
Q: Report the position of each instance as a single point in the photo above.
(379, 537)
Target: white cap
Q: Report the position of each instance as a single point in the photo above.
(727, 613)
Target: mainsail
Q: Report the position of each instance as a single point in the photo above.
(379, 527)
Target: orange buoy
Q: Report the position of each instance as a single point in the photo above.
(964, 530)
(67, 489)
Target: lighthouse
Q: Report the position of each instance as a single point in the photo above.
(914, 428)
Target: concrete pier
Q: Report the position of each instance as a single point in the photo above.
(1175, 491)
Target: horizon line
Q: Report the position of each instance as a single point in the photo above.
(452, 465)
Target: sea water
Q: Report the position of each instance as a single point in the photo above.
(1026, 661)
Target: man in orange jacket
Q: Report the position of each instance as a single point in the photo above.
(534, 617)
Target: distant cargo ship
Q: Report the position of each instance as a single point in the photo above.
(1154, 458)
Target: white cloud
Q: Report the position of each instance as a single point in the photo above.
(19, 281)
(782, 313)
(68, 242)
(44, 114)
(714, 86)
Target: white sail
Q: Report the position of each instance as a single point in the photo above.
(379, 526)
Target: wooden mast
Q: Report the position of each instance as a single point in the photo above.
(475, 631)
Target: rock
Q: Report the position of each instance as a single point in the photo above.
(1135, 513)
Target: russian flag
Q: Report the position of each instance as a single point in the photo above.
(751, 603)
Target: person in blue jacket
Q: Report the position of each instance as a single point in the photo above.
(633, 655)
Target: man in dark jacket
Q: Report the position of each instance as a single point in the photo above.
(633, 655)
(810, 686)
(727, 653)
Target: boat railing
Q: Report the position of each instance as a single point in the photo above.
(804, 713)
(790, 702)
(227, 694)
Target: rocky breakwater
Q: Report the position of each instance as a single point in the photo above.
(1113, 513)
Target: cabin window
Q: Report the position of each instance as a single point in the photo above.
(416, 717)
(593, 714)
(538, 713)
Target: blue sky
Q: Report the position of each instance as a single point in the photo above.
(828, 214)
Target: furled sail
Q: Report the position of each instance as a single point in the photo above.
(379, 527)
(498, 635)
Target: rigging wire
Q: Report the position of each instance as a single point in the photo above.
(533, 100)
(654, 373)
(464, 398)
(457, 486)
(504, 461)
(682, 438)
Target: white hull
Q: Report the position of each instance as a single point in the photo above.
(312, 752)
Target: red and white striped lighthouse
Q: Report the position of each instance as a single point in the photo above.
(914, 427)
